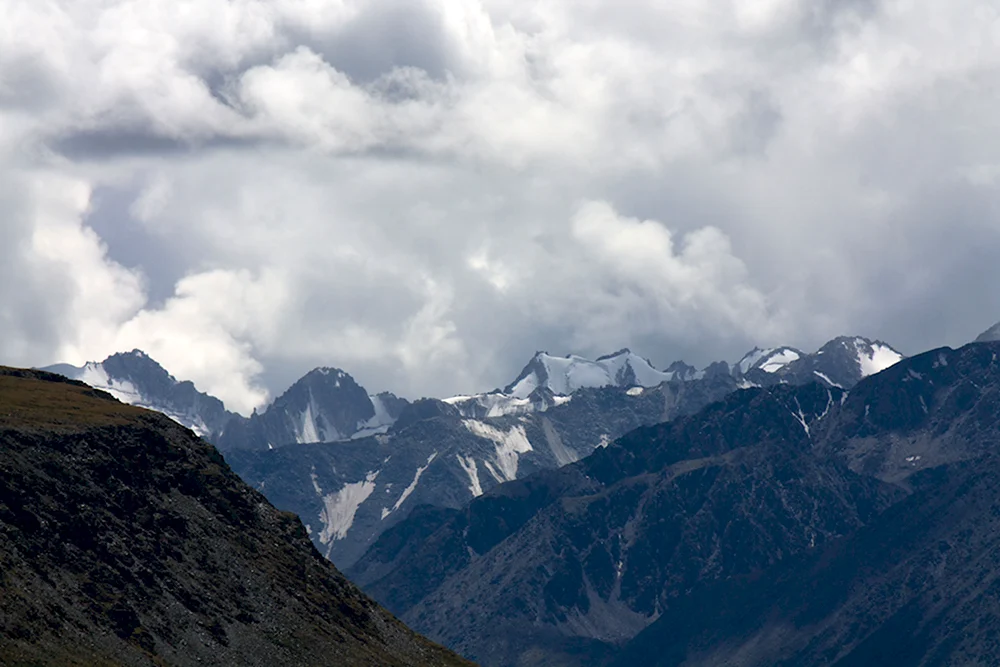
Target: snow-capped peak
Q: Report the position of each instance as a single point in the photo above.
(548, 381)
(769, 360)
(564, 375)
(874, 356)
(135, 378)
(328, 405)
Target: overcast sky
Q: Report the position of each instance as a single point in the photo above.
(425, 192)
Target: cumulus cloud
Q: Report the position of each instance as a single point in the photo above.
(426, 192)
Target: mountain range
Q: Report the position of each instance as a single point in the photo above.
(372, 458)
(791, 508)
(795, 525)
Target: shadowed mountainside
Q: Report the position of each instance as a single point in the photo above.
(716, 513)
(126, 540)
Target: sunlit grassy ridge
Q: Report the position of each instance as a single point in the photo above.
(36, 400)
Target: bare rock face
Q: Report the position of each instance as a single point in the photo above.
(127, 540)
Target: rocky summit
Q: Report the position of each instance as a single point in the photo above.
(126, 540)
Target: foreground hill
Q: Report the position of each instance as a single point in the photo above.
(126, 540)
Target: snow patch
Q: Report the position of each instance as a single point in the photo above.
(94, 374)
(879, 358)
(509, 445)
(776, 362)
(339, 509)
(751, 358)
(635, 391)
(312, 426)
(564, 375)
(563, 454)
(413, 485)
(826, 379)
(801, 418)
(379, 422)
(493, 405)
(469, 466)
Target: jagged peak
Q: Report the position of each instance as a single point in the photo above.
(768, 359)
(679, 365)
(134, 352)
(321, 378)
(623, 351)
(328, 370)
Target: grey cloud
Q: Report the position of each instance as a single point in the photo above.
(778, 177)
(21, 284)
(161, 260)
(757, 123)
(385, 34)
(115, 142)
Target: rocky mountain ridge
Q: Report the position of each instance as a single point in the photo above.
(570, 565)
(375, 458)
(328, 405)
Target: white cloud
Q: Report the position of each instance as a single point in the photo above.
(426, 192)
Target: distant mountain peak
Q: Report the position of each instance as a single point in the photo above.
(769, 360)
(564, 375)
(137, 379)
(328, 370)
(990, 335)
(841, 362)
(619, 353)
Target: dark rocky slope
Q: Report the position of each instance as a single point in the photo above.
(349, 493)
(919, 584)
(567, 566)
(126, 540)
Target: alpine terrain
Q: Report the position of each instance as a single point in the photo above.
(372, 458)
(781, 525)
